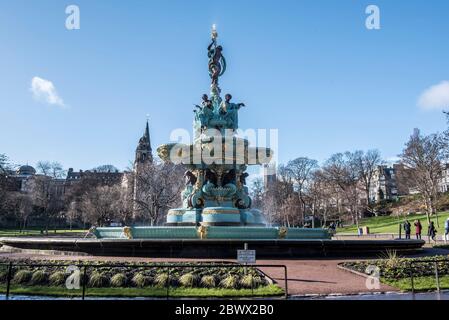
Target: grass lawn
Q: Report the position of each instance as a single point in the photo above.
(270, 290)
(37, 232)
(420, 283)
(390, 224)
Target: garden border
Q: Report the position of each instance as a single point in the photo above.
(85, 266)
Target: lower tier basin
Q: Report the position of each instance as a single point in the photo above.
(210, 232)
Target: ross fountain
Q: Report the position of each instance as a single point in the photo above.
(216, 218)
(216, 203)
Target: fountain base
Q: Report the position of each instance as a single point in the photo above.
(214, 248)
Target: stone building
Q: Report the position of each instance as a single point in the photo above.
(443, 183)
(383, 185)
(269, 175)
(101, 178)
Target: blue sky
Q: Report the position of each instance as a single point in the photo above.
(308, 68)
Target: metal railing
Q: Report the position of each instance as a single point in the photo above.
(169, 267)
(435, 271)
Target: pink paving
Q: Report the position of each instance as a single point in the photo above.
(305, 277)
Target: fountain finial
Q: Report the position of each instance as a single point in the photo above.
(214, 34)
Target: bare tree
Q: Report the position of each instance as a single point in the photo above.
(43, 167)
(366, 164)
(105, 168)
(159, 187)
(21, 206)
(99, 205)
(422, 158)
(341, 171)
(72, 213)
(51, 169)
(318, 195)
(280, 202)
(301, 170)
(257, 193)
(45, 199)
(5, 164)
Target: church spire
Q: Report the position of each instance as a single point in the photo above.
(147, 134)
(143, 150)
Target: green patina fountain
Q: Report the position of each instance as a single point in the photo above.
(216, 201)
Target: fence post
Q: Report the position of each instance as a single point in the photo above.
(411, 278)
(8, 280)
(437, 279)
(400, 231)
(252, 286)
(286, 282)
(168, 282)
(84, 282)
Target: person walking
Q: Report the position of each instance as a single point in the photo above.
(407, 229)
(431, 232)
(418, 228)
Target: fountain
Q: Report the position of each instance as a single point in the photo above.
(216, 218)
(216, 203)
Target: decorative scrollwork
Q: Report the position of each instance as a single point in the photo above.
(282, 232)
(202, 232)
(127, 232)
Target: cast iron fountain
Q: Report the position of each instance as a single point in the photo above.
(216, 203)
(216, 218)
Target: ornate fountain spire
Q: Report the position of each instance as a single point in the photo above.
(217, 62)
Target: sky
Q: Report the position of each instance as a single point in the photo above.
(310, 69)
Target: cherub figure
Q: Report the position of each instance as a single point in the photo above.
(205, 112)
(230, 111)
(190, 178)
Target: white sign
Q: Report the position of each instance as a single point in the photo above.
(246, 256)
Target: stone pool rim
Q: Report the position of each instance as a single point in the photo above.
(215, 248)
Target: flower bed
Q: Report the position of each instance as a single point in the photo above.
(135, 275)
(396, 268)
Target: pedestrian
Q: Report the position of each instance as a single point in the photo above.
(446, 229)
(418, 228)
(432, 232)
(407, 229)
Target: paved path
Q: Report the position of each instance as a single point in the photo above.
(305, 277)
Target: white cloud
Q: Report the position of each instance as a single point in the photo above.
(436, 97)
(44, 90)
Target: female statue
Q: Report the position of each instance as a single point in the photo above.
(217, 63)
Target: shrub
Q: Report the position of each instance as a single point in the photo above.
(140, 280)
(250, 281)
(118, 280)
(230, 282)
(57, 278)
(188, 280)
(161, 280)
(22, 276)
(208, 281)
(3, 276)
(391, 258)
(39, 277)
(97, 280)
